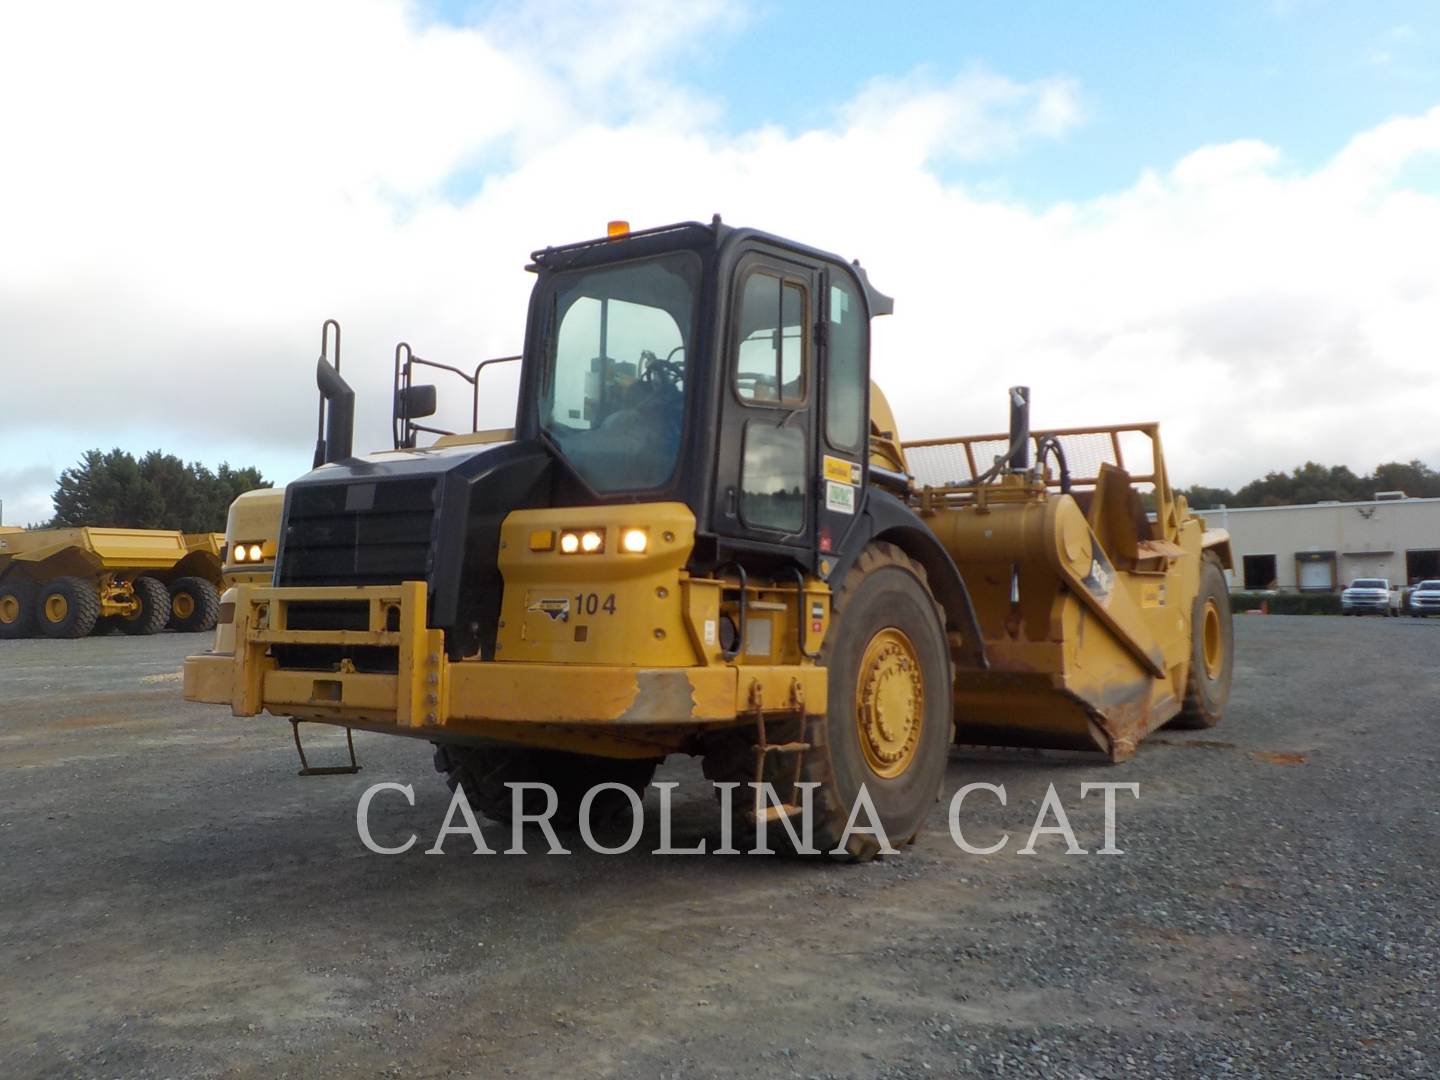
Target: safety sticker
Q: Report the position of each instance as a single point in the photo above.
(839, 497)
(841, 471)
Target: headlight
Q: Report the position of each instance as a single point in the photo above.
(247, 552)
(583, 541)
(635, 541)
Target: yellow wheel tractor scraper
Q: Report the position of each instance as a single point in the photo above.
(69, 583)
(704, 536)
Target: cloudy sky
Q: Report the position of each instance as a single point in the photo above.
(1224, 216)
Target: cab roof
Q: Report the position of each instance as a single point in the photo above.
(694, 235)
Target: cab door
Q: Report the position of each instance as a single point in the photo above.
(766, 468)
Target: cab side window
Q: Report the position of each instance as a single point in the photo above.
(770, 367)
(846, 385)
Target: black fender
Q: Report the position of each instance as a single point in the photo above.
(884, 517)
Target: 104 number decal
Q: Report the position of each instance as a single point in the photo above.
(591, 604)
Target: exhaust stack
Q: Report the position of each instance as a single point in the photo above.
(335, 431)
(1019, 429)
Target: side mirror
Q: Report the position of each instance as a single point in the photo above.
(413, 402)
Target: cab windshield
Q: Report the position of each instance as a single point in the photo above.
(1369, 583)
(612, 389)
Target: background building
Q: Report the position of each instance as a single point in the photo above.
(1321, 547)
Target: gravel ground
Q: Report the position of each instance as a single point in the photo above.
(176, 902)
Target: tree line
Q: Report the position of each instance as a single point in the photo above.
(157, 491)
(1312, 483)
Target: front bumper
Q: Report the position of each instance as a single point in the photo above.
(428, 695)
(1364, 604)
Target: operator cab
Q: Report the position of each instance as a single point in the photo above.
(724, 368)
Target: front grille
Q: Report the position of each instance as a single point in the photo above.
(327, 615)
(361, 533)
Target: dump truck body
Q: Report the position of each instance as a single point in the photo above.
(90, 550)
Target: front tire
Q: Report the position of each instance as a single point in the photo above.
(1212, 652)
(483, 771)
(154, 610)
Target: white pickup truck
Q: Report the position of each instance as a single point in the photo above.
(1370, 596)
(1425, 599)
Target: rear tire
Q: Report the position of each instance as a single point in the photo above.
(890, 719)
(1212, 652)
(154, 611)
(194, 605)
(67, 607)
(483, 771)
(17, 608)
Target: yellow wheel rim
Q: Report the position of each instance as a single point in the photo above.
(1212, 640)
(182, 605)
(889, 703)
(56, 608)
(9, 609)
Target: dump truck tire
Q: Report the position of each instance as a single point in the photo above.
(194, 605)
(484, 772)
(1212, 652)
(67, 607)
(886, 653)
(17, 607)
(154, 610)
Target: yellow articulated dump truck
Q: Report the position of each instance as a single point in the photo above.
(705, 536)
(68, 583)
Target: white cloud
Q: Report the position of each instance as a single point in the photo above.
(197, 191)
(978, 114)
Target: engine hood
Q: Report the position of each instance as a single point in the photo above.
(431, 514)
